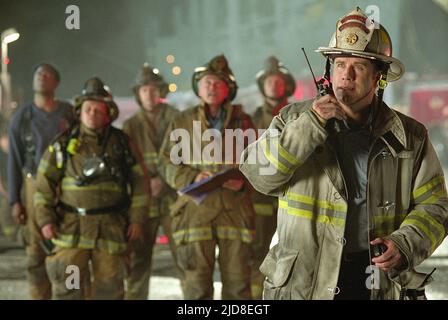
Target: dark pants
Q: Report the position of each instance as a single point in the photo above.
(353, 276)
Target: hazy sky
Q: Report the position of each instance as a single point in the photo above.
(117, 36)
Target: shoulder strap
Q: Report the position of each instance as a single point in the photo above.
(128, 158)
(61, 143)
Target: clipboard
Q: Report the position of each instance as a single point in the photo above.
(201, 189)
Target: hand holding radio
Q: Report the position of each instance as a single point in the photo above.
(327, 107)
(389, 256)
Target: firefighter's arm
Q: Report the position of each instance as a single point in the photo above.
(270, 162)
(172, 161)
(49, 175)
(140, 195)
(426, 225)
(127, 128)
(15, 161)
(140, 198)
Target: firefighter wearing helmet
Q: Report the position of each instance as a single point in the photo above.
(146, 130)
(359, 184)
(223, 218)
(276, 84)
(83, 201)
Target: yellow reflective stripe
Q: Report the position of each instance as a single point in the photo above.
(434, 198)
(153, 210)
(85, 243)
(233, 233)
(69, 183)
(137, 170)
(70, 241)
(283, 204)
(9, 231)
(151, 157)
(425, 222)
(308, 214)
(320, 203)
(39, 198)
(153, 214)
(285, 154)
(272, 159)
(192, 234)
(138, 201)
(389, 218)
(432, 184)
(64, 240)
(385, 225)
(111, 247)
(424, 229)
(61, 243)
(264, 209)
(150, 154)
(433, 222)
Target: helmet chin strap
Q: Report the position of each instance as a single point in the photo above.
(382, 84)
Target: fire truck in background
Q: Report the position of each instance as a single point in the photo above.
(428, 103)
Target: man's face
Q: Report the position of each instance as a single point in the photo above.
(274, 86)
(354, 81)
(44, 80)
(149, 96)
(94, 114)
(213, 90)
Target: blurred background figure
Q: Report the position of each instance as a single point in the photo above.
(31, 130)
(8, 227)
(146, 130)
(276, 84)
(224, 219)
